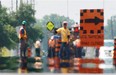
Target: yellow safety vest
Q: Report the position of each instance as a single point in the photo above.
(23, 36)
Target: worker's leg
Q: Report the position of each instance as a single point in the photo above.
(67, 51)
(38, 52)
(49, 52)
(97, 53)
(61, 53)
(24, 51)
(80, 52)
(76, 52)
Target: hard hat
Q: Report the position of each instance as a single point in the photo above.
(64, 22)
(24, 22)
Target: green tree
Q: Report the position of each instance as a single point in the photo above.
(7, 32)
(26, 13)
(57, 20)
(11, 34)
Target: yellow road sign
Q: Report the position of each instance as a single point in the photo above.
(50, 26)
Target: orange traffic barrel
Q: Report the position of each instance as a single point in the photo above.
(114, 61)
(50, 61)
(57, 62)
(29, 52)
(114, 54)
(38, 65)
(71, 62)
(64, 64)
(37, 58)
(76, 61)
(77, 64)
(57, 45)
(51, 68)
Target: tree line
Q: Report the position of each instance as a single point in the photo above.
(10, 20)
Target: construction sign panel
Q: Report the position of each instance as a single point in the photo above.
(92, 27)
(50, 26)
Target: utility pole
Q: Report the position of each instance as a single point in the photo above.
(112, 28)
(33, 4)
(11, 5)
(0, 4)
(21, 2)
(67, 9)
(27, 1)
(16, 5)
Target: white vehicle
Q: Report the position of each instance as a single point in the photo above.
(106, 51)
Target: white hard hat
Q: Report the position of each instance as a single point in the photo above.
(37, 42)
(75, 25)
(52, 37)
(64, 22)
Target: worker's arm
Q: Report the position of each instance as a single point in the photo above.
(68, 36)
(58, 30)
(55, 32)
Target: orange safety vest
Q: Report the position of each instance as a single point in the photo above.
(29, 52)
(23, 36)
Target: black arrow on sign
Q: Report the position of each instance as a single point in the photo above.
(96, 20)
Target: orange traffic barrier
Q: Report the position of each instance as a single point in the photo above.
(29, 52)
(51, 68)
(95, 60)
(78, 65)
(114, 61)
(114, 54)
(50, 61)
(51, 64)
(90, 70)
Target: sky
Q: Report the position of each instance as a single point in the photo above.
(69, 8)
